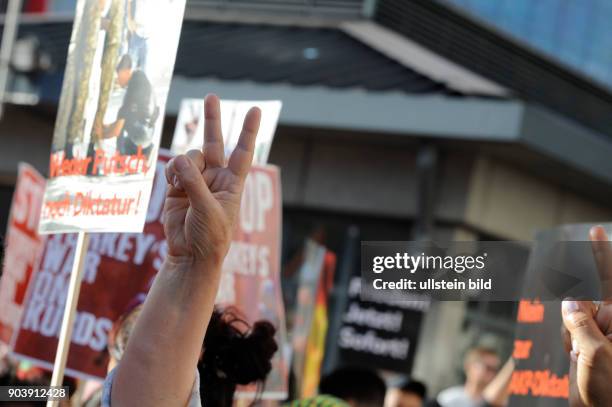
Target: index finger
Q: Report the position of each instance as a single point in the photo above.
(242, 156)
(602, 251)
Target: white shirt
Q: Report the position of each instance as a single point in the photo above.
(457, 397)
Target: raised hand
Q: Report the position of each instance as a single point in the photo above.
(199, 216)
(587, 334)
(203, 199)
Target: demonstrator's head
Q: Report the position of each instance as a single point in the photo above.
(124, 70)
(481, 364)
(234, 353)
(359, 387)
(409, 394)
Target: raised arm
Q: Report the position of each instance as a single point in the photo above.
(497, 392)
(202, 203)
(587, 334)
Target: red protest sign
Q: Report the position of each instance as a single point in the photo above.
(251, 271)
(22, 248)
(119, 267)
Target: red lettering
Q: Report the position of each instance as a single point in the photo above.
(530, 312)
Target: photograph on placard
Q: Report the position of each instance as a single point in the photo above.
(110, 113)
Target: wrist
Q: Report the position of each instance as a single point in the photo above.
(190, 263)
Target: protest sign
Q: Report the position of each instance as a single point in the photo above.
(379, 333)
(110, 113)
(540, 378)
(560, 262)
(119, 269)
(189, 133)
(22, 250)
(251, 270)
(108, 128)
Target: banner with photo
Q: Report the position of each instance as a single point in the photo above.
(189, 133)
(110, 115)
(22, 248)
(119, 270)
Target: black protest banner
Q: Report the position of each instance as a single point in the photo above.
(382, 335)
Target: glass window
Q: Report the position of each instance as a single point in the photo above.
(577, 33)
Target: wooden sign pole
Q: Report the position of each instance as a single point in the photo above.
(74, 288)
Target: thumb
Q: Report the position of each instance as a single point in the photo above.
(191, 181)
(578, 318)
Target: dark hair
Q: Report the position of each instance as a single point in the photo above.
(234, 353)
(414, 387)
(125, 62)
(361, 385)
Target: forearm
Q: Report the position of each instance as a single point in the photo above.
(158, 367)
(497, 392)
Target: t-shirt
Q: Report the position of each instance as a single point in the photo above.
(457, 397)
(139, 110)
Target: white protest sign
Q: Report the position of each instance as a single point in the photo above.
(189, 132)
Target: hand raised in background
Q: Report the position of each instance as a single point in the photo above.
(587, 334)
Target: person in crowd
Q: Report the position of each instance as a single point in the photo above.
(410, 393)
(6, 369)
(587, 334)
(117, 342)
(234, 354)
(480, 365)
(138, 113)
(357, 386)
(497, 392)
(121, 331)
(159, 365)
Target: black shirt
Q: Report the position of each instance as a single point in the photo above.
(139, 110)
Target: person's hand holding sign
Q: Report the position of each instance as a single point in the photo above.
(202, 205)
(587, 334)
